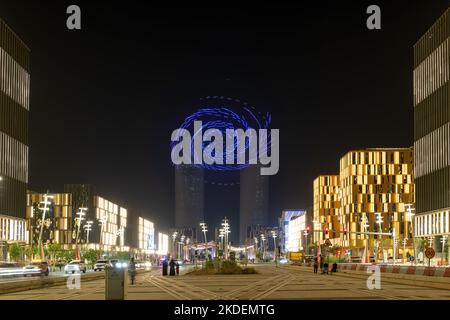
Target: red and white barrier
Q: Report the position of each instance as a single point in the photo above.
(400, 269)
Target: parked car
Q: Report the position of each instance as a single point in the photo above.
(100, 265)
(36, 268)
(75, 266)
(9, 269)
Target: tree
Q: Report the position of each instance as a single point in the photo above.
(54, 249)
(15, 251)
(68, 255)
(91, 256)
(29, 251)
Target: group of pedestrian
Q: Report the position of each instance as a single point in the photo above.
(174, 268)
(324, 267)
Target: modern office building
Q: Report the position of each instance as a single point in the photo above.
(109, 219)
(189, 198)
(376, 185)
(371, 194)
(326, 209)
(163, 244)
(254, 202)
(14, 107)
(60, 227)
(285, 219)
(432, 132)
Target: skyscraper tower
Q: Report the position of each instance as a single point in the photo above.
(14, 106)
(189, 198)
(254, 202)
(432, 130)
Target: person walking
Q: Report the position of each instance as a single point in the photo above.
(172, 268)
(132, 271)
(178, 269)
(164, 267)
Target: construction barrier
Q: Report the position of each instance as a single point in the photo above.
(400, 269)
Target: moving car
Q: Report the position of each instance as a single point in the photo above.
(9, 269)
(100, 265)
(75, 266)
(36, 268)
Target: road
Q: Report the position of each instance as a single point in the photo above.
(269, 283)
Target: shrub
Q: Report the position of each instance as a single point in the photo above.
(230, 267)
(209, 265)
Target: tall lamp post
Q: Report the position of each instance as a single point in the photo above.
(174, 243)
(379, 221)
(263, 239)
(226, 230)
(100, 243)
(181, 243)
(365, 225)
(404, 242)
(44, 210)
(274, 236)
(81, 213)
(88, 228)
(204, 230)
(410, 216)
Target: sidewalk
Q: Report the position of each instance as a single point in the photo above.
(360, 271)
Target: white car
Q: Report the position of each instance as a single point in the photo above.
(75, 266)
(100, 265)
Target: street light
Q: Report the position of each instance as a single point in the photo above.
(263, 238)
(227, 231)
(274, 236)
(379, 221)
(102, 222)
(410, 208)
(174, 237)
(81, 213)
(204, 230)
(88, 228)
(44, 210)
(405, 240)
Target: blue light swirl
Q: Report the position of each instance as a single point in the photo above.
(221, 113)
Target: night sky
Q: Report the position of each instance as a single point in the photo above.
(104, 100)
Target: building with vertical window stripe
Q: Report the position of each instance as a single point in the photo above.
(326, 208)
(371, 182)
(14, 106)
(432, 131)
(60, 216)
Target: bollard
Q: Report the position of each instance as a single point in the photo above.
(116, 283)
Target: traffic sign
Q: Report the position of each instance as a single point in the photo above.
(429, 253)
(412, 258)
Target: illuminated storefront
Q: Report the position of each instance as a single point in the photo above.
(113, 221)
(146, 235)
(296, 227)
(163, 243)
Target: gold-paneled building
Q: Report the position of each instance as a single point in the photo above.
(376, 182)
(60, 216)
(373, 190)
(326, 208)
